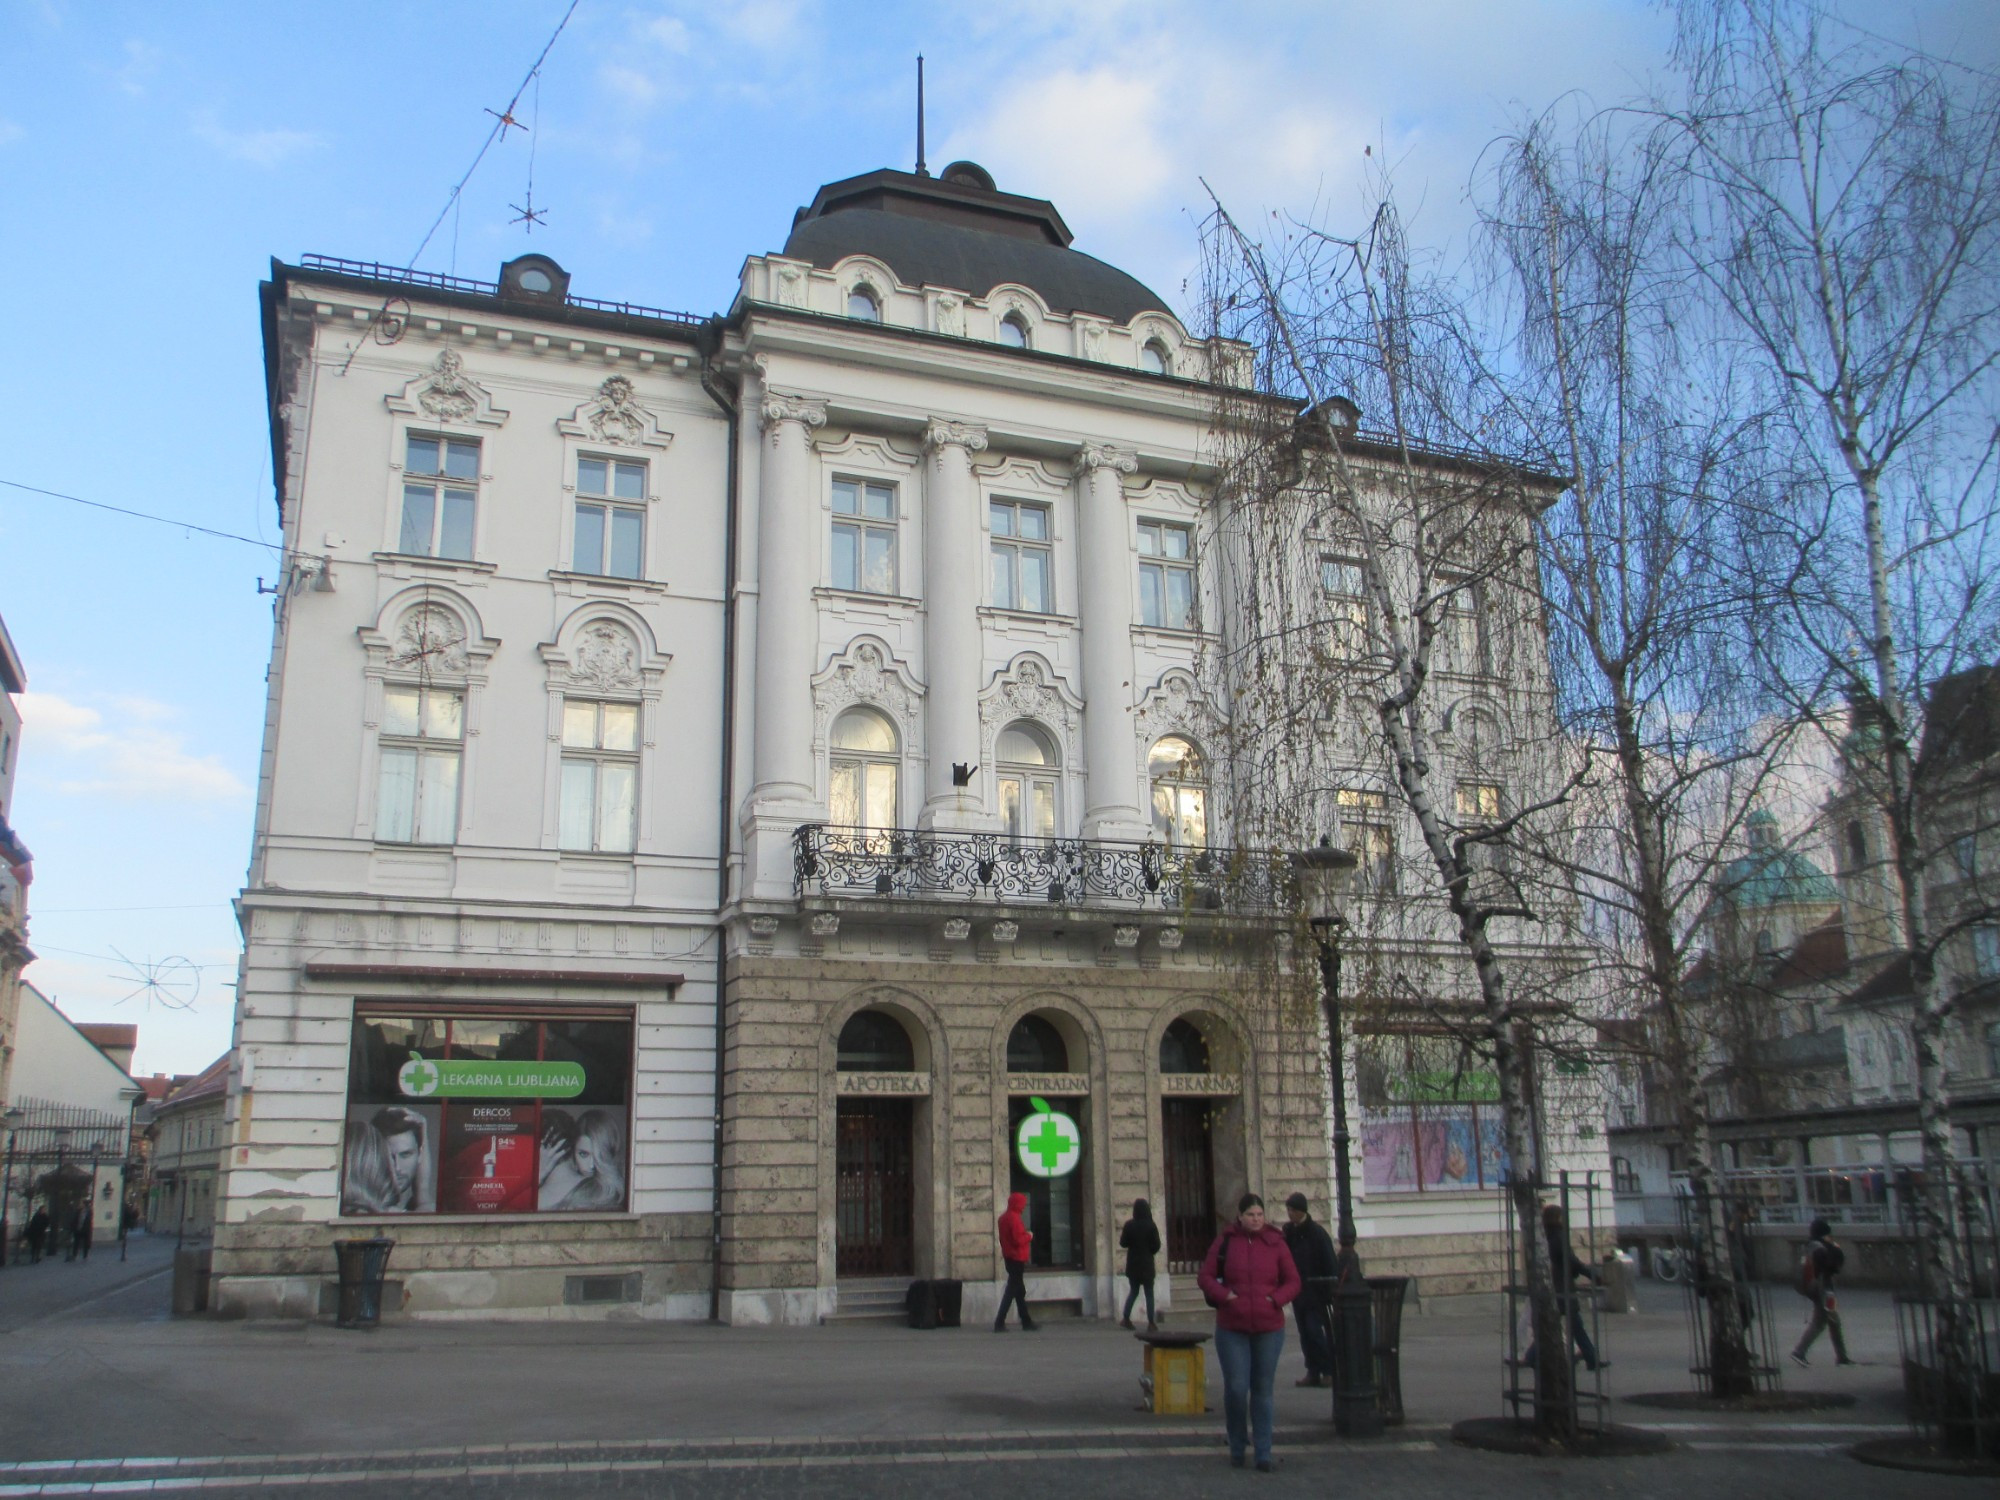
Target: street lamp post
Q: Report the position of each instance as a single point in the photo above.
(12, 1118)
(1323, 876)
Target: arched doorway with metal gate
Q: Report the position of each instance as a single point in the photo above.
(1203, 1165)
(875, 1147)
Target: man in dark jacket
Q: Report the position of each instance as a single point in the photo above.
(1312, 1252)
(1823, 1261)
(38, 1234)
(1016, 1239)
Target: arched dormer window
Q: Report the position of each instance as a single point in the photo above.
(1179, 777)
(1014, 331)
(861, 791)
(863, 305)
(1153, 358)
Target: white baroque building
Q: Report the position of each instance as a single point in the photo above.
(725, 779)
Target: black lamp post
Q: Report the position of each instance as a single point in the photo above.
(12, 1118)
(1323, 876)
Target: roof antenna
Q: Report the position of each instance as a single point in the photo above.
(922, 170)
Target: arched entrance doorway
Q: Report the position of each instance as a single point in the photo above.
(875, 1147)
(1045, 1075)
(1201, 1138)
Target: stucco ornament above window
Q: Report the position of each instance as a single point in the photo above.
(445, 393)
(615, 416)
(867, 672)
(429, 639)
(606, 657)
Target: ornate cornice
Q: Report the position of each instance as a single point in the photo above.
(1094, 456)
(807, 411)
(947, 434)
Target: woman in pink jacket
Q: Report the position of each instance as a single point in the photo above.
(1249, 1278)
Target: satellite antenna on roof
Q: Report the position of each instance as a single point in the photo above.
(922, 170)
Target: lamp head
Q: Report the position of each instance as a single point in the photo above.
(1323, 874)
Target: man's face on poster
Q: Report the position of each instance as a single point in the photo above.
(405, 1152)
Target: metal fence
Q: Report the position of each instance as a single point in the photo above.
(1961, 1418)
(1585, 1204)
(1732, 1339)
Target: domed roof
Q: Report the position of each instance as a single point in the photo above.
(1771, 876)
(958, 231)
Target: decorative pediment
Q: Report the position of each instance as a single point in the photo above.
(867, 672)
(1029, 688)
(445, 393)
(604, 649)
(424, 636)
(1177, 705)
(615, 416)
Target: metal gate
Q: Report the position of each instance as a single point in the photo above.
(873, 1162)
(1190, 1156)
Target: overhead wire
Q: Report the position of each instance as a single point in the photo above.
(141, 515)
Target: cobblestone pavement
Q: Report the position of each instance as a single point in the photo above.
(107, 1395)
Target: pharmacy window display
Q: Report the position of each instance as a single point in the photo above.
(487, 1113)
(1430, 1115)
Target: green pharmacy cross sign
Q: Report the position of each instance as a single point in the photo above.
(487, 1078)
(1049, 1144)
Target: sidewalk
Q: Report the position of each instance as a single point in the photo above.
(31, 1293)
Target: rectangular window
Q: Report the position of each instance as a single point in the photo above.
(440, 497)
(1986, 951)
(1166, 575)
(1478, 802)
(600, 776)
(610, 518)
(1462, 626)
(864, 536)
(1346, 605)
(1021, 567)
(1364, 819)
(1430, 1115)
(1965, 856)
(423, 735)
(463, 1113)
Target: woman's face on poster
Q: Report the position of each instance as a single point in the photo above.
(406, 1154)
(584, 1154)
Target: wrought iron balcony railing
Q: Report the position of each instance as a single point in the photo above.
(905, 864)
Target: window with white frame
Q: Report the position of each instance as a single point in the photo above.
(1179, 776)
(1153, 358)
(1986, 951)
(1346, 604)
(1479, 805)
(1166, 575)
(861, 784)
(440, 496)
(600, 776)
(1014, 331)
(1364, 822)
(1462, 625)
(610, 517)
(1030, 781)
(864, 536)
(863, 305)
(422, 744)
(1021, 560)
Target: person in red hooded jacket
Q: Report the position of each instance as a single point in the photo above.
(1015, 1239)
(1249, 1277)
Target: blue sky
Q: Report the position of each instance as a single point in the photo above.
(154, 157)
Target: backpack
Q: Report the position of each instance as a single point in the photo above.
(1809, 1277)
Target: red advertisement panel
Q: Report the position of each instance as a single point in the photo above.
(489, 1159)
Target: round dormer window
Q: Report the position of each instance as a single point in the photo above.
(864, 305)
(535, 279)
(1014, 331)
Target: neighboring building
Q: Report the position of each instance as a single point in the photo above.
(153, 1092)
(189, 1132)
(728, 784)
(74, 1137)
(16, 864)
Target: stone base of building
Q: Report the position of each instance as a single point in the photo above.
(1443, 1265)
(651, 1266)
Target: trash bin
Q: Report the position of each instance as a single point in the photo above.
(921, 1301)
(362, 1266)
(1620, 1276)
(1389, 1292)
(950, 1302)
(191, 1271)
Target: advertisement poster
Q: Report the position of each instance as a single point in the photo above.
(391, 1160)
(489, 1159)
(583, 1163)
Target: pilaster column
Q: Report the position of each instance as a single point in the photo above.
(1105, 612)
(787, 519)
(953, 578)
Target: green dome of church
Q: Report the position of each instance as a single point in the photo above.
(1772, 876)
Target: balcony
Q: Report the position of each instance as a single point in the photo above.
(963, 869)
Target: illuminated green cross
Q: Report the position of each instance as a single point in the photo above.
(1050, 1143)
(418, 1077)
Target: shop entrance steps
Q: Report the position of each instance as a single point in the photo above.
(871, 1298)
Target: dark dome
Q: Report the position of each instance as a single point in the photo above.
(955, 233)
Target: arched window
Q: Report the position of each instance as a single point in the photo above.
(863, 305)
(1182, 1049)
(1035, 1046)
(874, 1041)
(1180, 793)
(861, 792)
(1030, 774)
(1857, 843)
(1153, 358)
(1014, 331)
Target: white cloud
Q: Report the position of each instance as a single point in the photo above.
(142, 60)
(125, 750)
(9, 132)
(1091, 135)
(261, 148)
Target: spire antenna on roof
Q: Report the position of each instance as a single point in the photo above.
(922, 170)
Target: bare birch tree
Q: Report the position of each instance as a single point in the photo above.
(1847, 227)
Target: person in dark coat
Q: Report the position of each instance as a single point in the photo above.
(1823, 1261)
(1140, 1240)
(1248, 1278)
(1565, 1269)
(37, 1233)
(79, 1233)
(1016, 1240)
(1312, 1252)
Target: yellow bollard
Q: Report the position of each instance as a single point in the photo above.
(1177, 1380)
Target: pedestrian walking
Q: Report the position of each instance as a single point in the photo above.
(37, 1234)
(1312, 1252)
(1248, 1278)
(1565, 1269)
(1140, 1240)
(1822, 1262)
(79, 1233)
(1016, 1240)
